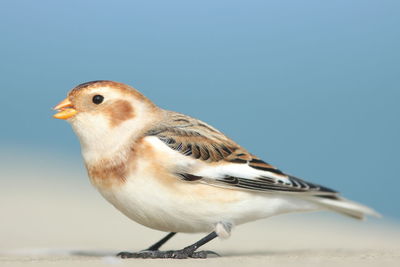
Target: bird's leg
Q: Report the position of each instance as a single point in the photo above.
(187, 252)
(190, 251)
(157, 245)
(153, 247)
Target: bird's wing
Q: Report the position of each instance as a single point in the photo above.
(225, 162)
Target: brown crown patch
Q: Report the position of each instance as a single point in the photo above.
(121, 87)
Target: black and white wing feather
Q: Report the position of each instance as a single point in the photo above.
(230, 165)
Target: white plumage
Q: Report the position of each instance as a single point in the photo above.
(173, 173)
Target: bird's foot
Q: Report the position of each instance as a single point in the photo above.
(169, 254)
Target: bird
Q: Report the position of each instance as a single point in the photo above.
(177, 174)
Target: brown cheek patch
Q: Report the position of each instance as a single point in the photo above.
(119, 111)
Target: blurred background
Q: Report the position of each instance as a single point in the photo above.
(310, 86)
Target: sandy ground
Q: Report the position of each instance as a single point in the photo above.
(49, 219)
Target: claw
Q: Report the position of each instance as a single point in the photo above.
(203, 254)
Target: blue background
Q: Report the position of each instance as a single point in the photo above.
(310, 86)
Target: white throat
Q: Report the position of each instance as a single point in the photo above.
(99, 141)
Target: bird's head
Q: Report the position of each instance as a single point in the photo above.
(105, 114)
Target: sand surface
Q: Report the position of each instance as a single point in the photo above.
(64, 222)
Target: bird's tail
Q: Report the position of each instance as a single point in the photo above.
(345, 206)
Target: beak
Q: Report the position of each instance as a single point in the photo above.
(65, 110)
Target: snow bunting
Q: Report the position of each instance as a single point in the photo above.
(174, 173)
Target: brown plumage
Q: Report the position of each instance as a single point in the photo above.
(201, 141)
(121, 87)
(119, 111)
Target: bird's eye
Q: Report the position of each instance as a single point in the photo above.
(98, 99)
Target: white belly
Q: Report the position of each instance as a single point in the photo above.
(194, 207)
(151, 194)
